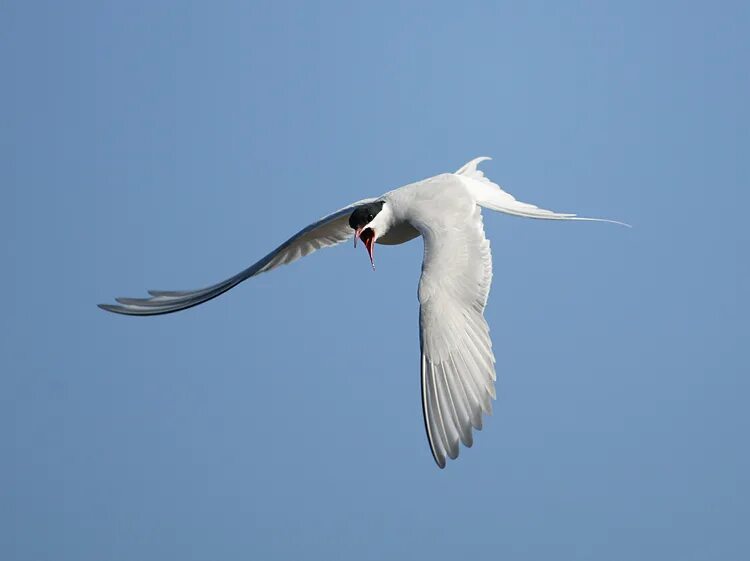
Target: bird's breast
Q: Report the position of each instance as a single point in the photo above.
(398, 234)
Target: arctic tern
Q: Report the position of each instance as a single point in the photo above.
(457, 362)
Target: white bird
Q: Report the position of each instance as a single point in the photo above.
(457, 366)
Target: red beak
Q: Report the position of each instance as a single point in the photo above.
(367, 235)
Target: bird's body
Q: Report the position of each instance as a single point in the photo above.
(457, 362)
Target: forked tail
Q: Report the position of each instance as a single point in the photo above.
(490, 195)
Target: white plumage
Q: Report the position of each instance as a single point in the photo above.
(457, 366)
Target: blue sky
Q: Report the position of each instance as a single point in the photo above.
(168, 145)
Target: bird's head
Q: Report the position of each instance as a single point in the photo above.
(369, 222)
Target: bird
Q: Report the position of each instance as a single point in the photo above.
(457, 365)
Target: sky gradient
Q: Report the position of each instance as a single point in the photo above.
(168, 145)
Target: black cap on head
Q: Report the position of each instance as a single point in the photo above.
(364, 214)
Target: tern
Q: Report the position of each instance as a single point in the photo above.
(457, 362)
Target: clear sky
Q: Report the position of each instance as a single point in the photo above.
(168, 145)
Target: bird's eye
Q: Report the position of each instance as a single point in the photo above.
(370, 217)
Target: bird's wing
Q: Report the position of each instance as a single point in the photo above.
(329, 230)
(458, 371)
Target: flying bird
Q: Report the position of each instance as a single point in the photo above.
(457, 362)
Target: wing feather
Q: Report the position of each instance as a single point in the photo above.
(455, 395)
(471, 395)
(432, 417)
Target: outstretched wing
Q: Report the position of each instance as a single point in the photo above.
(458, 372)
(329, 230)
